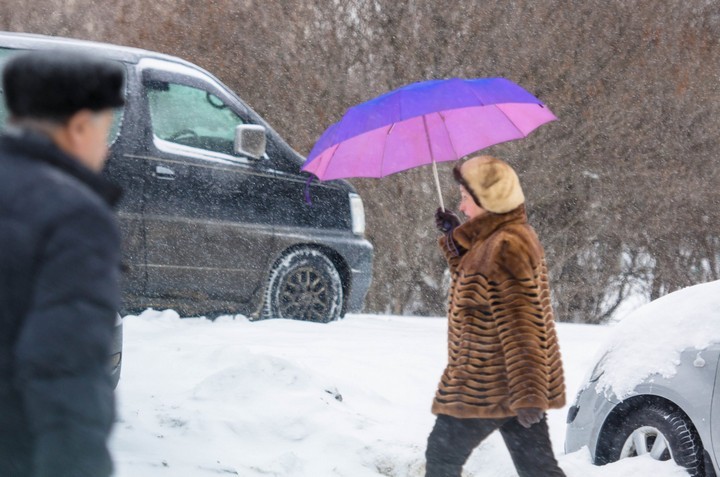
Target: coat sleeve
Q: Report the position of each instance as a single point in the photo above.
(451, 250)
(520, 312)
(64, 346)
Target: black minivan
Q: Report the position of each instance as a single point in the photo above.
(214, 215)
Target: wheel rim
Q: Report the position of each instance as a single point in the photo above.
(647, 440)
(305, 294)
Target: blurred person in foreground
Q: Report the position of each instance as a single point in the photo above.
(504, 369)
(59, 265)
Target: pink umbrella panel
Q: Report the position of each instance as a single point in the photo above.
(434, 137)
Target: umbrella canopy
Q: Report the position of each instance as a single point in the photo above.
(424, 123)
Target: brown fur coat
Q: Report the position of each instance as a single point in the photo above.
(503, 352)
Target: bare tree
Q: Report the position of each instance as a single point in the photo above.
(622, 189)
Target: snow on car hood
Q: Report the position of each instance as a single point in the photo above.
(650, 339)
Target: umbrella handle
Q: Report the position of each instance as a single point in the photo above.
(437, 184)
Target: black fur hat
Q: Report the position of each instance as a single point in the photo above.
(55, 84)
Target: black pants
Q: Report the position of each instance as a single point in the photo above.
(452, 440)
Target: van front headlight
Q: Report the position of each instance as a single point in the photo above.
(357, 212)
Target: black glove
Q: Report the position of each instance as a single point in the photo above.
(528, 417)
(446, 220)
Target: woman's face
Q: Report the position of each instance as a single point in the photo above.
(467, 204)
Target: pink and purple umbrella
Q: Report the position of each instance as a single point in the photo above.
(424, 123)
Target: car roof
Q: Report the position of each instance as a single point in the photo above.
(29, 41)
(650, 339)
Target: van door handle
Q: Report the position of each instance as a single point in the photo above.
(164, 173)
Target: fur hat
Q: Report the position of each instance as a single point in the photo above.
(492, 183)
(55, 84)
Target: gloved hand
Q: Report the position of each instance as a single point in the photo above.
(446, 220)
(529, 416)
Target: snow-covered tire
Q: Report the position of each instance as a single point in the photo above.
(304, 285)
(661, 430)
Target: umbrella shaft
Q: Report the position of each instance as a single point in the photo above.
(434, 165)
(437, 184)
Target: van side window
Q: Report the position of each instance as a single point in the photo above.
(191, 116)
(5, 54)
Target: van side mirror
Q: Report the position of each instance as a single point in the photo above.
(250, 140)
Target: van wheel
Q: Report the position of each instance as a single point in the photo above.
(304, 285)
(664, 432)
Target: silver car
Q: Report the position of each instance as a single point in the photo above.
(669, 415)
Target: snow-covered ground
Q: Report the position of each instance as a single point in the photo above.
(288, 398)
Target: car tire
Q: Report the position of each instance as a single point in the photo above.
(305, 285)
(661, 430)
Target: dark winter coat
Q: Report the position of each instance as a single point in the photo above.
(59, 292)
(503, 351)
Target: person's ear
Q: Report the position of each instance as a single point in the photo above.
(72, 135)
(77, 126)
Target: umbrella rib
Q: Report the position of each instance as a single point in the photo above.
(455, 154)
(427, 138)
(472, 90)
(511, 121)
(382, 157)
(399, 118)
(495, 105)
(326, 163)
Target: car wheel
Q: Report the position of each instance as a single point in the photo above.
(304, 285)
(663, 431)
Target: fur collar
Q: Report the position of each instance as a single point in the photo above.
(481, 227)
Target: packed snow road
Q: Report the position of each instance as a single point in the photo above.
(288, 398)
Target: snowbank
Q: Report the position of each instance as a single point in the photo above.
(286, 398)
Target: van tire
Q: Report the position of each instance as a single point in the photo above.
(304, 285)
